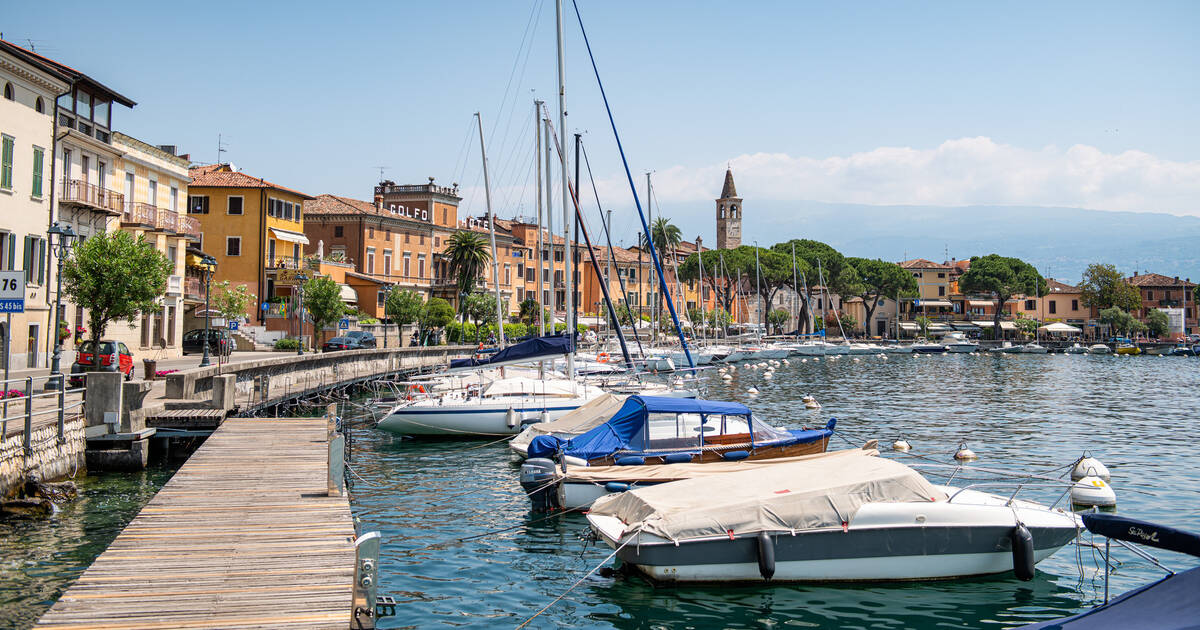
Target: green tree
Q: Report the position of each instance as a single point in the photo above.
(1120, 321)
(719, 318)
(436, 313)
(403, 307)
(923, 323)
(848, 322)
(230, 302)
(528, 312)
(1001, 277)
(816, 261)
(778, 317)
(481, 308)
(666, 236)
(878, 279)
(115, 277)
(1027, 327)
(323, 302)
(1157, 322)
(469, 254)
(715, 275)
(1104, 287)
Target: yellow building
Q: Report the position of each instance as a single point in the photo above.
(255, 231)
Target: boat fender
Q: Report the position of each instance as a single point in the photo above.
(537, 479)
(631, 460)
(1088, 466)
(766, 556)
(1022, 552)
(678, 458)
(733, 456)
(1093, 491)
(510, 418)
(616, 486)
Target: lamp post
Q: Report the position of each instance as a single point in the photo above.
(300, 280)
(387, 293)
(61, 251)
(210, 265)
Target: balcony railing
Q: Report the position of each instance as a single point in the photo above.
(79, 192)
(167, 221)
(138, 213)
(189, 226)
(192, 288)
(286, 263)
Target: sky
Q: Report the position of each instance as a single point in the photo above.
(1076, 104)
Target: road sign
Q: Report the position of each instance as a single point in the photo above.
(233, 324)
(344, 324)
(12, 291)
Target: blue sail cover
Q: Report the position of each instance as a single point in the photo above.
(627, 428)
(1168, 604)
(524, 351)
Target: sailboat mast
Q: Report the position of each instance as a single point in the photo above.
(700, 296)
(487, 194)
(549, 226)
(796, 286)
(562, 124)
(758, 291)
(537, 160)
(653, 290)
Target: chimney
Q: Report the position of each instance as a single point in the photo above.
(1135, 273)
(168, 148)
(379, 198)
(1176, 278)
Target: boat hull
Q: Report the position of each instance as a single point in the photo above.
(962, 348)
(472, 420)
(716, 454)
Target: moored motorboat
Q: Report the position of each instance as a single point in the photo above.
(1007, 348)
(928, 347)
(1099, 348)
(825, 520)
(1076, 349)
(1127, 348)
(958, 342)
(1034, 348)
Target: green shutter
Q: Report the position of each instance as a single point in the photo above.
(41, 261)
(6, 162)
(28, 258)
(12, 250)
(37, 171)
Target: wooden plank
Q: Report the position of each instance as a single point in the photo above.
(243, 536)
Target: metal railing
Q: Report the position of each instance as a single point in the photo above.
(189, 226)
(24, 406)
(138, 213)
(81, 192)
(167, 220)
(193, 288)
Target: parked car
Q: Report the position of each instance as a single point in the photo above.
(340, 343)
(365, 339)
(220, 342)
(85, 360)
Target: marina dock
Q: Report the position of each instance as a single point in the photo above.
(245, 535)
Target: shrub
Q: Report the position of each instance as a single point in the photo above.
(287, 344)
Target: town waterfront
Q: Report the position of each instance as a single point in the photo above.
(1020, 412)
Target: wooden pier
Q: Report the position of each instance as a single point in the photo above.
(245, 535)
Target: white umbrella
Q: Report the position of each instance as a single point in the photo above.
(1059, 328)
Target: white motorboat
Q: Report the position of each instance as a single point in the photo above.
(896, 349)
(958, 342)
(861, 348)
(656, 363)
(726, 354)
(811, 349)
(825, 520)
(1077, 349)
(499, 408)
(1007, 348)
(1034, 348)
(767, 352)
(928, 347)
(699, 357)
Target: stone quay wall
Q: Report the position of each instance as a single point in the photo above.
(49, 459)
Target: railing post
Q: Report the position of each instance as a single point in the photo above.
(28, 414)
(62, 406)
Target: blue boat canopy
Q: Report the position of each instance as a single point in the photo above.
(524, 351)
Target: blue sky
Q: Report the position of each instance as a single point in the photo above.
(1088, 104)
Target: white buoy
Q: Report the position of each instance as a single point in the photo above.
(726, 377)
(1091, 491)
(510, 418)
(785, 362)
(812, 404)
(816, 359)
(805, 360)
(752, 390)
(808, 398)
(1089, 466)
(767, 376)
(901, 444)
(964, 454)
(856, 359)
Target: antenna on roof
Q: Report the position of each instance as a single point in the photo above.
(381, 169)
(220, 148)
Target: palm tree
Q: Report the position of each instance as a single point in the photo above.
(468, 254)
(666, 236)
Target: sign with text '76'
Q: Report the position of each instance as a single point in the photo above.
(12, 291)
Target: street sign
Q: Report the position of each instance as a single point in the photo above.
(266, 306)
(344, 324)
(233, 324)
(12, 291)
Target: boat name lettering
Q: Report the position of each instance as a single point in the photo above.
(1137, 531)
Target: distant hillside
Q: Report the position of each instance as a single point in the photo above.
(1061, 242)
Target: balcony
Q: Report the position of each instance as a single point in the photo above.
(76, 192)
(175, 285)
(193, 290)
(190, 227)
(286, 263)
(138, 214)
(167, 221)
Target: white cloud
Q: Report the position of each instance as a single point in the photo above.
(965, 171)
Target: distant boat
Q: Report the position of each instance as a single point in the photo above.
(1034, 348)
(1007, 348)
(1078, 349)
(958, 342)
(1099, 348)
(928, 347)
(1128, 348)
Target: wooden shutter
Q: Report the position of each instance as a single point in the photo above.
(28, 257)
(41, 242)
(12, 250)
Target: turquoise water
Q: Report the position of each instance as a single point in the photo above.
(1017, 412)
(1138, 415)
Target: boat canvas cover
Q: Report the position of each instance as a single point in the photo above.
(626, 429)
(524, 351)
(660, 473)
(1168, 604)
(805, 495)
(537, 387)
(580, 420)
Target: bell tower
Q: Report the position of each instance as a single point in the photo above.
(729, 215)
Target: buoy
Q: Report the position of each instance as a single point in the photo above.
(1089, 466)
(1022, 552)
(726, 377)
(901, 444)
(808, 398)
(816, 360)
(766, 556)
(767, 375)
(752, 390)
(805, 360)
(785, 362)
(1093, 491)
(856, 359)
(812, 404)
(964, 454)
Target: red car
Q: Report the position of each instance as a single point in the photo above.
(85, 357)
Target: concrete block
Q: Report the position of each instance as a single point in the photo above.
(128, 456)
(104, 396)
(224, 388)
(134, 396)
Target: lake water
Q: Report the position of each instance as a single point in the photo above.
(1018, 412)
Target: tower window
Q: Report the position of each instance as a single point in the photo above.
(38, 106)
(8, 91)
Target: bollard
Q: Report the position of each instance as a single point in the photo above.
(28, 414)
(62, 406)
(366, 580)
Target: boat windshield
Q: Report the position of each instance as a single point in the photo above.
(690, 430)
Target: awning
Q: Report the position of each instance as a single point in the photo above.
(289, 236)
(1007, 326)
(981, 303)
(945, 303)
(936, 327)
(348, 294)
(1060, 329)
(968, 326)
(908, 326)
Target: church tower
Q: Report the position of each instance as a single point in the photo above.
(729, 215)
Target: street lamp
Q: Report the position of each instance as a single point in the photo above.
(210, 265)
(61, 251)
(300, 280)
(387, 292)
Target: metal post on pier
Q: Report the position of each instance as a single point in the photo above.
(62, 404)
(28, 414)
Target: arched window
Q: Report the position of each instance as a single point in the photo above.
(8, 91)
(38, 106)
(721, 211)
(733, 211)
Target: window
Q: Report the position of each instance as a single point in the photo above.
(1030, 305)
(380, 298)
(387, 262)
(1053, 306)
(1149, 295)
(370, 232)
(152, 195)
(420, 265)
(35, 260)
(6, 159)
(234, 205)
(296, 251)
(507, 274)
(941, 291)
(66, 163)
(38, 156)
(101, 172)
(39, 106)
(197, 204)
(1074, 305)
(558, 256)
(173, 256)
(85, 167)
(297, 219)
(338, 231)
(174, 199)
(233, 246)
(271, 252)
(407, 262)
(407, 237)
(530, 274)
(941, 274)
(8, 91)
(370, 260)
